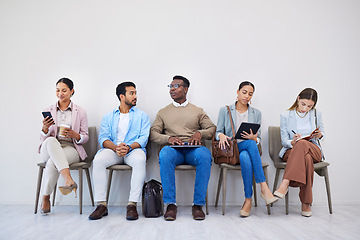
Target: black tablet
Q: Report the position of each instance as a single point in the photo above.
(245, 126)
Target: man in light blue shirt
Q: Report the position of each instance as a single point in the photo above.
(123, 136)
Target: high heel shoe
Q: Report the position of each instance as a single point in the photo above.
(68, 189)
(306, 213)
(269, 200)
(243, 213)
(280, 195)
(45, 204)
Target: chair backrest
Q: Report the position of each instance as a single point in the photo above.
(274, 143)
(260, 149)
(148, 149)
(91, 145)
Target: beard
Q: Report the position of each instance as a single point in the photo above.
(130, 103)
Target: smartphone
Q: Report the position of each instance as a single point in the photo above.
(47, 114)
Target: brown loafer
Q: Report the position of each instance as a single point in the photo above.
(197, 212)
(131, 212)
(99, 212)
(45, 204)
(170, 214)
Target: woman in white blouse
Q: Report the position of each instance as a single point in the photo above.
(250, 159)
(58, 150)
(302, 119)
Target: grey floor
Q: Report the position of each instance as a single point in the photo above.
(65, 222)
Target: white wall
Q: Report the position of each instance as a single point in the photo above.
(281, 46)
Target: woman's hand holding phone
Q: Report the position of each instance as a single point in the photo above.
(47, 122)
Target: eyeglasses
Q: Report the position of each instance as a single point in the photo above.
(175, 86)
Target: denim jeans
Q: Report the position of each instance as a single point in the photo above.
(250, 162)
(170, 157)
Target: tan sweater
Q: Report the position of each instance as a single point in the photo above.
(180, 122)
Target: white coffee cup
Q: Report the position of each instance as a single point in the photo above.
(62, 130)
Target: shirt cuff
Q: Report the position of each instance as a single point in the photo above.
(290, 145)
(45, 134)
(81, 140)
(217, 136)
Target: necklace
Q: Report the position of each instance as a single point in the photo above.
(300, 115)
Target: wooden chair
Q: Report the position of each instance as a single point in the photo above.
(185, 167)
(223, 180)
(91, 149)
(274, 149)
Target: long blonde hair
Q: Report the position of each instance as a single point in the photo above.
(307, 93)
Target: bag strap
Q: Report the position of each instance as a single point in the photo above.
(231, 121)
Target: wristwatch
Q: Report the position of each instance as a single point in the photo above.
(130, 148)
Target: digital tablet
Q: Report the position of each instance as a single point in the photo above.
(245, 126)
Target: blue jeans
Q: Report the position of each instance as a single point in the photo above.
(250, 162)
(170, 157)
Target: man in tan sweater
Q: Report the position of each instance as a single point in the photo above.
(182, 123)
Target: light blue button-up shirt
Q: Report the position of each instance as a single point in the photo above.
(138, 128)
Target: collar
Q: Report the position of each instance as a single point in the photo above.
(184, 104)
(69, 107)
(131, 109)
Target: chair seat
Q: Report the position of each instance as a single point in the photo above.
(321, 165)
(71, 166)
(41, 164)
(237, 166)
(80, 165)
(119, 167)
(185, 167)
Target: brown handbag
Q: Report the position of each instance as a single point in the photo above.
(230, 154)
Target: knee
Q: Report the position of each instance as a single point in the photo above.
(204, 156)
(244, 157)
(166, 155)
(98, 159)
(300, 144)
(140, 158)
(252, 143)
(51, 140)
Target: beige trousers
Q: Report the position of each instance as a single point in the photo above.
(57, 156)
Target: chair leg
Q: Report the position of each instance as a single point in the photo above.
(224, 190)
(254, 190)
(267, 183)
(206, 203)
(276, 180)
(219, 187)
(38, 187)
(89, 184)
(54, 194)
(327, 183)
(287, 203)
(108, 187)
(80, 189)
